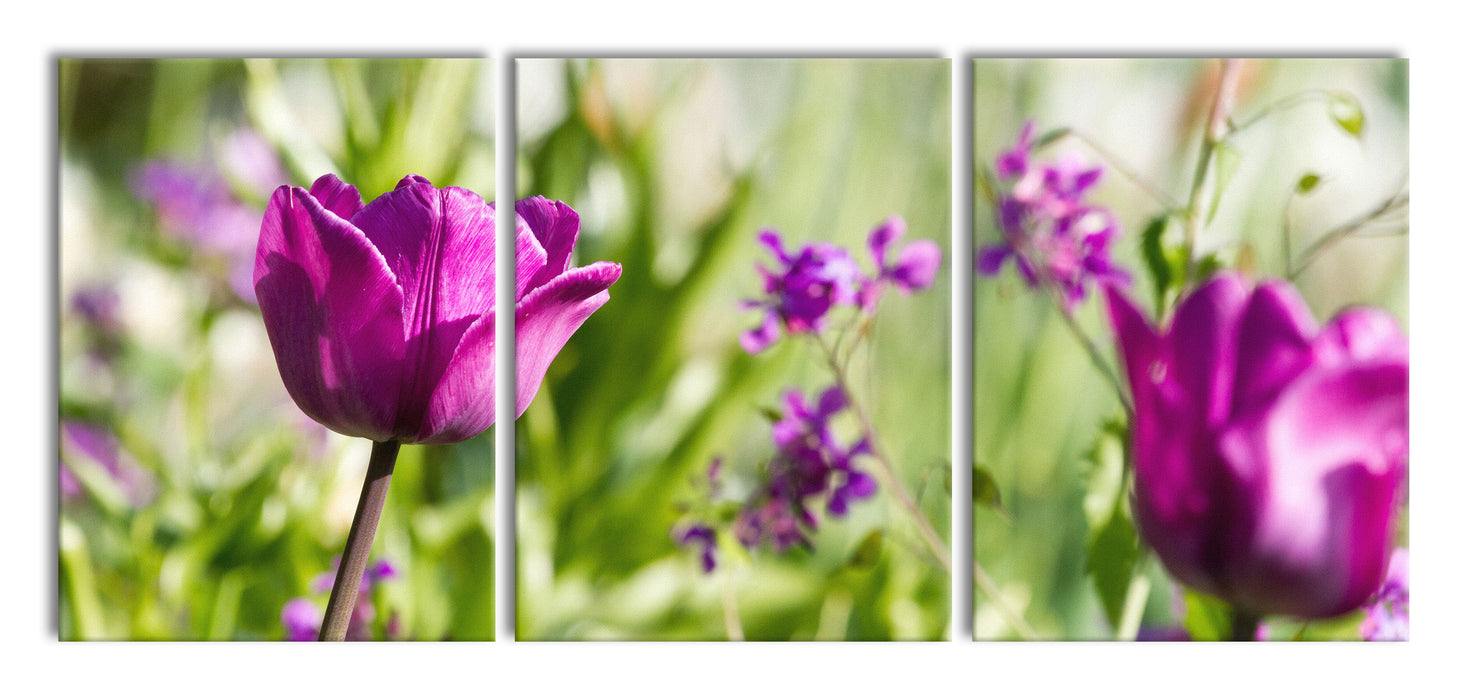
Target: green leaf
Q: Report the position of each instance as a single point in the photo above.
(1307, 182)
(868, 552)
(1159, 266)
(1209, 619)
(1208, 265)
(1106, 474)
(1110, 559)
(1225, 164)
(772, 415)
(986, 489)
(1345, 109)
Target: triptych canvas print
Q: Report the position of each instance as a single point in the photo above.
(772, 318)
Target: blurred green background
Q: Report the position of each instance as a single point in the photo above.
(1038, 402)
(211, 499)
(675, 166)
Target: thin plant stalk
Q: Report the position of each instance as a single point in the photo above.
(1120, 166)
(1339, 233)
(1135, 602)
(905, 499)
(359, 542)
(1213, 133)
(1092, 351)
(732, 627)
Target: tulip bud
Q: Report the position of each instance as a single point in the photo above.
(1269, 453)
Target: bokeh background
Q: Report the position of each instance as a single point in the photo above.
(675, 166)
(195, 499)
(1038, 402)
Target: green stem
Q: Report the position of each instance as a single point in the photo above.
(1339, 233)
(1213, 133)
(359, 542)
(732, 626)
(1120, 166)
(1245, 626)
(1136, 603)
(904, 498)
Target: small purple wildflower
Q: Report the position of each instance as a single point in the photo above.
(809, 463)
(1047, 225)
(1386, 614)
(702, 536)
(913, 269)
(196, 204)
(807, 285)
(802, 289)
(98, 306)
(302, 618)
(84, 443)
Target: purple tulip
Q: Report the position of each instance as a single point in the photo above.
(1269, 452)
(382, 316)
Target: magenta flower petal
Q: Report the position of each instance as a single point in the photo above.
(462, 404)
(301, 620)
(1203, 344)
(992, 257)
(883, 235)
(1318, 541)
(334, 314)
(754, 341)
(336, 196)
(555, 226)
(547, 316)
(1274, 344)
(916, 266)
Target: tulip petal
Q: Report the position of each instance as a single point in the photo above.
(336, 196)
(462, 404)
(1137, 344)
(1361, 334)
(556, 227)
(546, 318)
(1274, 344)
(333, 310)
(1337, 441)
(530, 259)
(440, 244)
(1202, 344)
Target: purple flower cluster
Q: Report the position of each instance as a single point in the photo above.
(302, 618)
(809, 463)
(1049, 230)
(805, 286)
(1386, 614)
(195, 203)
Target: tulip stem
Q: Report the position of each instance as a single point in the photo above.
(359, 542)
(1245, 626)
